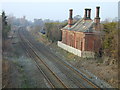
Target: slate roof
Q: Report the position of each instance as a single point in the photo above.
(81, 26)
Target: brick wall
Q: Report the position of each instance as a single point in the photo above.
(81, 41)
(73, 39)
(92, 42)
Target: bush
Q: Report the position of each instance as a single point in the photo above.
(53, 31)
(110, 39)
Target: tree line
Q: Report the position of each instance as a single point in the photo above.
(5, 29)
(110, 39)
(53, 31)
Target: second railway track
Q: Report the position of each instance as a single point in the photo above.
(34, 56)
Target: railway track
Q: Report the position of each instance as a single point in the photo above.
(65, 64)
(35, 57)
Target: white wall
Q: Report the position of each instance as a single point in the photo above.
(84, 54)
(69, 49)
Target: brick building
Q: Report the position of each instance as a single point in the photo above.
(82, 38)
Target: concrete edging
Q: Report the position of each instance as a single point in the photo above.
(84, 54)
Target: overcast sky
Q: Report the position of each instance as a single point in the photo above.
(58, 10)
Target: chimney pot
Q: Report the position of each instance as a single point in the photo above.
(87, 14)
(70, 20)
(70, 13)
(97, 11)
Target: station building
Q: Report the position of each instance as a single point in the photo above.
(84, 37)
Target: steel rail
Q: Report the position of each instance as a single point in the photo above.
(50, 83)
(45, 65)
(78, 83)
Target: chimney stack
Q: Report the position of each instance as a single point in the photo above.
(97, 19)
(70, 20)
(87, 15)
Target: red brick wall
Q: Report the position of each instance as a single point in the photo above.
(81, 41)
(92, 42)
(73, 38)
